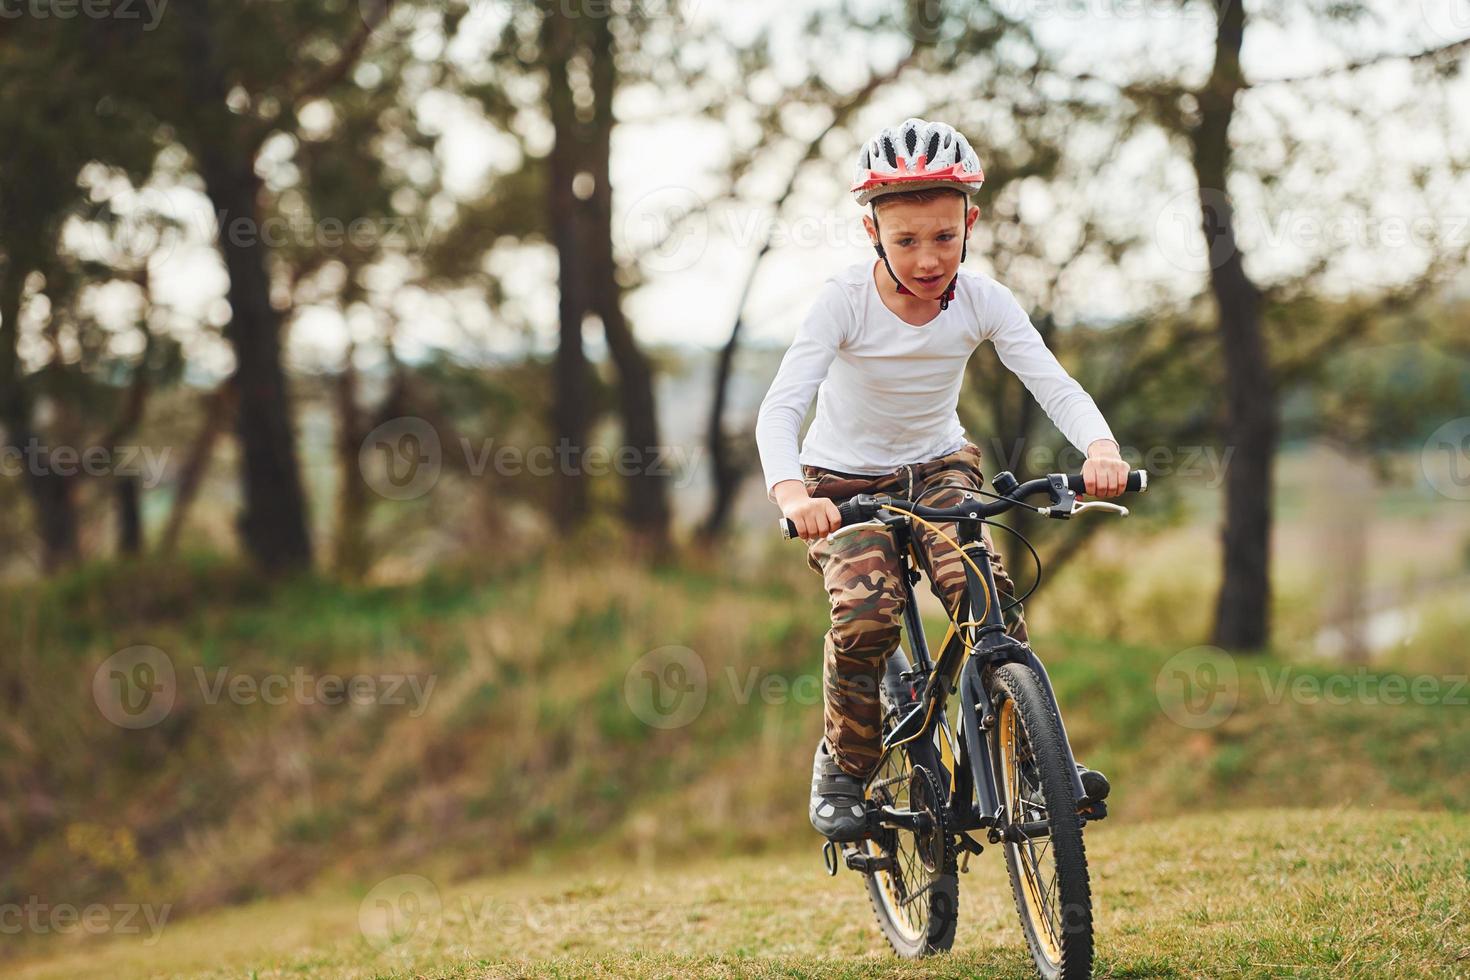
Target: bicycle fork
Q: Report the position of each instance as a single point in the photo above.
(977, 715)
(977, 719)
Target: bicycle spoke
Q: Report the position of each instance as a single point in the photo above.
(1045, 896)
(922, 891)
(905, 891)
(1051, 891)
(911, 878)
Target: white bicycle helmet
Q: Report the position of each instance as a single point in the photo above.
(913, 156)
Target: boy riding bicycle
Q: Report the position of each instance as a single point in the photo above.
(884, 350)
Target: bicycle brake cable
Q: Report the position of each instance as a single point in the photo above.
(959, 627)
(950, 541)
(1034, 557)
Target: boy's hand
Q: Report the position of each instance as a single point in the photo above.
(813, 516)
(1105, 472)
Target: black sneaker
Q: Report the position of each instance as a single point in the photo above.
(1094, 783)
(837, 810)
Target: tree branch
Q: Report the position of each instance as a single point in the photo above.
(331, 74)
(1453, 49)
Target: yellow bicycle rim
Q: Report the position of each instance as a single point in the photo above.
(1008, 727)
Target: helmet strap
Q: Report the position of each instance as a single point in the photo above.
(964, 251)
(903, 290)
(878, 246)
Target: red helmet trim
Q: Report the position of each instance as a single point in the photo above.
(954, 171)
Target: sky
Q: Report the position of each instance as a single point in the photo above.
(694, 283)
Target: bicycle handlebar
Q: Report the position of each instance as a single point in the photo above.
(1062, 488)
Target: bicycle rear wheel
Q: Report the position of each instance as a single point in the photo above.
(915, 892)
(1047, 864)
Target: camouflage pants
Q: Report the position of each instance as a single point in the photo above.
(862, 575)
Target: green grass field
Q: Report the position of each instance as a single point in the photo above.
(566, 833)
(1257, 893)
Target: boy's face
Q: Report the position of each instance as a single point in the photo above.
(924, 241)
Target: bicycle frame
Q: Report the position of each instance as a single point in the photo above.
(974, 798)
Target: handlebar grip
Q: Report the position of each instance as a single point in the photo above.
(849, 512)
(1137, 482)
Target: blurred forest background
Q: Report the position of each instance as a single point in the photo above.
(294, 294)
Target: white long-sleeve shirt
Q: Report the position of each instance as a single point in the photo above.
(887, 390)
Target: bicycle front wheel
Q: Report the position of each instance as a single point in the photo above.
(1044, 852)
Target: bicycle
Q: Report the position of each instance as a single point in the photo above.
(1009, 771)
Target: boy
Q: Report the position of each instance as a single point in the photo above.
(884, 349)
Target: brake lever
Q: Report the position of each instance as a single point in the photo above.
(873, 522)
(1082, 505)
(1064, 498)
(1078, 506)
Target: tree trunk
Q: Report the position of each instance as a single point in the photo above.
(1242, 609)
(273, 526)
(218, 406)
(647, 502)
(350, 550)
(56, 513)
(571, 376)
(51, 493)
(726, 475)
(125, 488)
(129, 518)
(15, 410)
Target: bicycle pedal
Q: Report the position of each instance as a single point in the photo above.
(1094, 810)
(868, 863)
(829, 858)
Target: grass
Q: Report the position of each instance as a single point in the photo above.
(1256, 893)
(565, 836)
(531, 758)
(529, 738)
